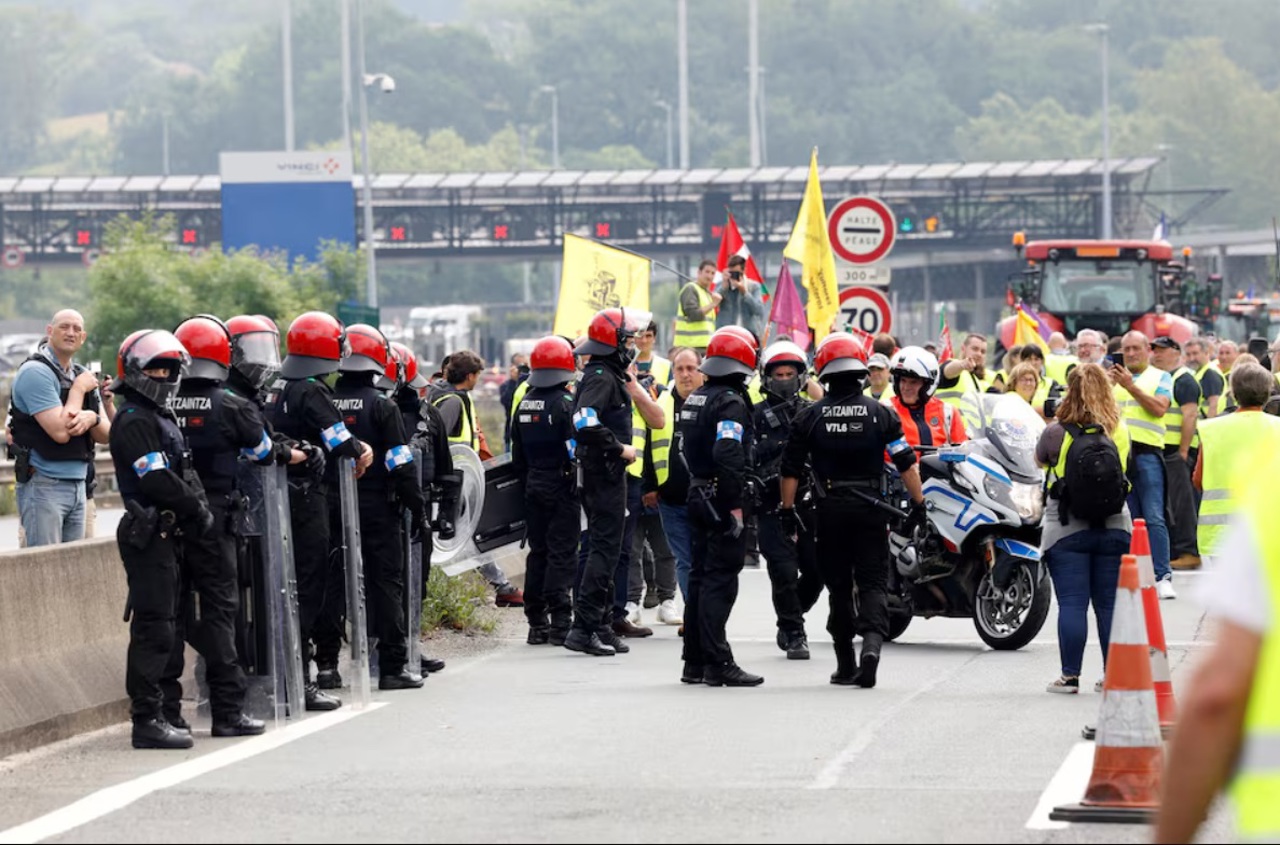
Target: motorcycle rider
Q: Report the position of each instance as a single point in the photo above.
(792, 560)
(851, 432)
(926, 419)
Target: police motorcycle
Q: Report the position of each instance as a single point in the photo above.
(977, 555)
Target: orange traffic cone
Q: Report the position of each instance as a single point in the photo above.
(1166, 706)
(1127, 764)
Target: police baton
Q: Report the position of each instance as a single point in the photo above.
(877, 502)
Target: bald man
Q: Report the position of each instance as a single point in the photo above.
(57, 417)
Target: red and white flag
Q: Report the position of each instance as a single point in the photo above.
(731, 244)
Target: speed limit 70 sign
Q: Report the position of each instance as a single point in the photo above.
(865, 309)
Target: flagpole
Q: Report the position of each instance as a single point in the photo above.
(642, 255)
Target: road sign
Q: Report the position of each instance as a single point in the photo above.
(861, 230)
(865, 309)
(852, 275)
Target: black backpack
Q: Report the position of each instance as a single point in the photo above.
(1094, 486)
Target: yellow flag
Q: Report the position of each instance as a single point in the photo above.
(810, 246)
(594, 277)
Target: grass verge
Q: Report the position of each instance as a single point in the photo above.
(458, 603)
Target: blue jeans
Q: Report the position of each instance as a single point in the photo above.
(51, 510)
(1085, 567)
(1146, 501)
(675, 523)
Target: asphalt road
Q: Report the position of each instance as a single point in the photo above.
(956, 744)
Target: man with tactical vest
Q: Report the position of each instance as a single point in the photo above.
(164, 504)
(966, 374)
(543, 449)
(1144, 394)
(926, 420)
(1180, 443)
(1195, 353)
(696, 319)
(792, 560)
(220, 425)
(1229, 711)
(300, 407)
(842, 440)
(387, 487)
(56, 418)
(603, 422)
(439, 482)
(716, 442)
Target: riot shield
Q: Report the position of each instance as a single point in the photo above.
(353, 562)
(494, 537)
(470, 508)
(286, 639)
(412, 595)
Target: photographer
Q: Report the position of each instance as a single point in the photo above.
(742, 303)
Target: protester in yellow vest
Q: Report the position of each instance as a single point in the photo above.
(1195, 353)
(1060, 362)
(696, 314)
(966, 374)
(1228, 732)
(1179, 441)
(453, 400)
(648, 362)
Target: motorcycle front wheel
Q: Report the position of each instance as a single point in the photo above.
(1009, 619)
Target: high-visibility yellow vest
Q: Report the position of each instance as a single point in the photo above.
(1204, 400)
(660, 444)
(1230, 444)
(1144, 428)
(1173, 417)
(1256, 787)
(521, 389)
(885, 396)
(967, 382)
(695, 334)
(638, 429)
(755, 390)
(1120, 437)
(467, 434)
(1058, 367)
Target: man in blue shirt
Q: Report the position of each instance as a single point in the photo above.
(57, 418)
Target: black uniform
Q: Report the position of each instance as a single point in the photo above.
(163, 497)
(425, 428)
(715, 441)
(602, 421)
(219, 426)
(302, 410)
(851, 433)
(543, 447)
(388, 486)
(793, 562)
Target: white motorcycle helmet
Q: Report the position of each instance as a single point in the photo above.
(776, 354)
(918, 362)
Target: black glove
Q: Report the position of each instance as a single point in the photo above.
(445, 528)
(201, 522)
(790, 521)
(916, 518)
(417, 525)
(315, 458)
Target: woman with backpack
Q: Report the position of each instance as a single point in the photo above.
(1086, 525)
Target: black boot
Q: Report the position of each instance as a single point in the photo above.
(870, 660)
(798, 647)
(328, 678)
(846, 672)
(157, 733)
(587, 642)
(692, 673)
(404, 679)
(729, 675)
(430, 664)
(321, 701)
(556, 636)
(239, 725)
(538, 635)
(610, 638)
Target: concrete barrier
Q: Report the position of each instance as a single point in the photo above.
(62, 642)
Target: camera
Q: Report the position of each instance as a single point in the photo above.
(736, 275)
(1109, 361)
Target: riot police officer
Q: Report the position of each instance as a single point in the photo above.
(387, 487)
(851, 432)
(301, 408)
(542, 449)
(602, 422)
(436, 476)
(715, 443)
(219, 426)
(163, 498)
(792, 561)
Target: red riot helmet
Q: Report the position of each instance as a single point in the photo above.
(840, 352)
(316, 344)
(610, 330)
(731, 351)
(151, 349)
(370, 352)
(208, 342)
(551, 362)
(255, 349)
(412, 376)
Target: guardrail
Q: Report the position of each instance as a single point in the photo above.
(106, 472)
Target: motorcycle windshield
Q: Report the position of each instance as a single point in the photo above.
(1010, 424)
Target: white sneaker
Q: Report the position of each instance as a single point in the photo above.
(633, 613)
(667, 613)
(1164, 587)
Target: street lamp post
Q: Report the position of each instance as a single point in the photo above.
(671, 151)
(555, 124)
(387, 84)
(1102, 29)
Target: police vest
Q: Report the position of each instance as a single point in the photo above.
(772, 423)
(700, 427)
(467, 434)
(967, 382)
(660, 444)
(28, 432)
(618, 416)
(1173, 417)
(1256, 787)
(356, 405)
(1144, 428)
(541, 416)
(1230, 444)
(847, 438)
(198, 408)
(695, 334)
(173, 454)
(938, 416)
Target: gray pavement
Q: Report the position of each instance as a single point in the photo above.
(522, 743)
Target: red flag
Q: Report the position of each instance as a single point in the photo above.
(944, 339)
(731, 244)
(787, 313)
(867, 340)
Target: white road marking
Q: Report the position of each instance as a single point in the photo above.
(1066, 787)
(835, 768)
(117, 797)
